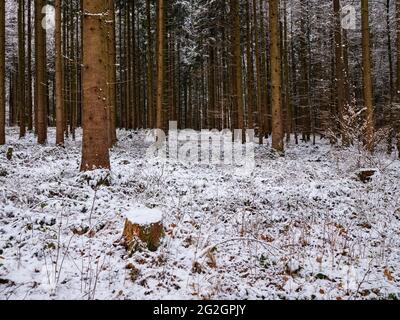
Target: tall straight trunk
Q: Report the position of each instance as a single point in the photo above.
(66, 70)
(132, 83)
(305, 76)
(95, 149)
(277, 125)
(29, 75)
(339, 69)
(367, 76)
(160, 63)
(128, 66)
(398, 51)
(59, 76)
(258, 72)
(389, 118)
(112, 76)
(72, 76)
(237, 62)
(41, 78)
(2, 75)
(398, 68)
(121, 78)
(389, 49)
(21, 68)
(211, 86)
(288, 105)
(265, 103)
(150, 97)
(250, 69)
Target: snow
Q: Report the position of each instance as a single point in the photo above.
(300, 226)
(144, 216)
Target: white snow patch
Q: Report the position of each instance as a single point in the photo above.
(144, 216)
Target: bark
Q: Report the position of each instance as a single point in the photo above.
(250, 70)
(112, 76)
(367, 76)
(398, 49)
(277, 125)
(237, 63)
(29, 75)
(258, 72)
(41, 81)
(2, 75)
(288, 105)
(21, 68)
(398, 69)
(150, 97)
(339, 70)
(59, 77)
(160, 63)
(95, 151)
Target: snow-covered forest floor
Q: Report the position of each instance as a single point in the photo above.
(300, 227)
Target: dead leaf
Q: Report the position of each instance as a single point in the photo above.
(388, 274)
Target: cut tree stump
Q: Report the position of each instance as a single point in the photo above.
(143, 227)
(365, 175)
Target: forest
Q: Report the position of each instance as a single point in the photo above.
(200, 149)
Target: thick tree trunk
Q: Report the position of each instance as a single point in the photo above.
(367, 76)
(95, 152)
(59, 77)
(277, 125)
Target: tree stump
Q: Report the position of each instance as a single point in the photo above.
(143, 227)
(365, 175)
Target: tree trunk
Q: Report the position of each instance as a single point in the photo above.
(304, 89)
(398, 70)
(112, 77)
(250, 70)
(398, 49)
(160, 63)
(29, 60)
(288, 105)
(339, 70)
(95, 152)
(21, 68)
(258, 72)
(367, 76)
(150, 97)
(237, 63)
(2, 75)
(41, 78)
(59, 77)
(277, 125)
